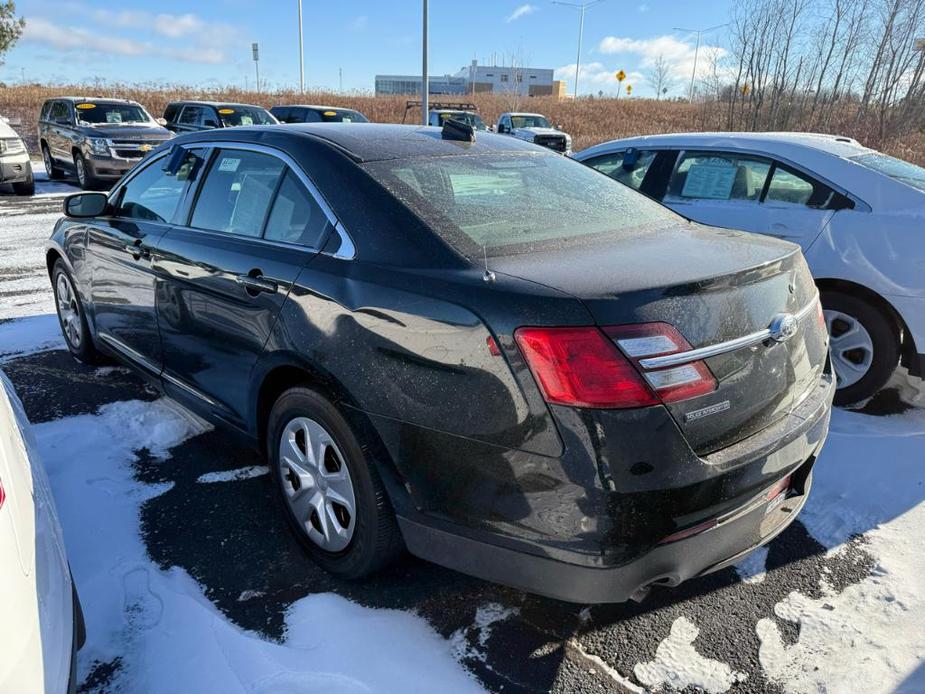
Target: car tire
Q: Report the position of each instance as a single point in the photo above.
(865, 345)
(85, 176)
(55, 173)
(374, 537)
(71, 316)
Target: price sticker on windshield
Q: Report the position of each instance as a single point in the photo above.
(229, 165)
(85, 107)
(226, 111)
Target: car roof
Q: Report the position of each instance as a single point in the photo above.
(522, 113)
(452, 110)
(217, 104)
(365, 142)
(317, 108)
(92, 99)
(779, 142)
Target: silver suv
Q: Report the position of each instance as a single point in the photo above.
(97, 139)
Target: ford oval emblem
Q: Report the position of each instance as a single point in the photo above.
(783, 327)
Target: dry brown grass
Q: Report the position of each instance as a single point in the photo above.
(589, 121)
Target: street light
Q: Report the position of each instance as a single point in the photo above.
(301, 54)
(581, 7)
(425, 82)
(697, 50)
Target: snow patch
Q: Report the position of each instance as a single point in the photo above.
(486, 616)
(752, 568)
(678, 665)
(244, 473)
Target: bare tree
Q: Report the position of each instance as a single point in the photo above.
(660, 77)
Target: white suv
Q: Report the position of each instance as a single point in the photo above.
(856, 213)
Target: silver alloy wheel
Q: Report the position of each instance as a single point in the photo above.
(68, 310)
(81, 171)
(317, 484)
(852, 347)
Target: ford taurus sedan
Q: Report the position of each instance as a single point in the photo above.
(473, 348)
(857, 214)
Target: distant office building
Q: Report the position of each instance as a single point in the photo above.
(478, 79)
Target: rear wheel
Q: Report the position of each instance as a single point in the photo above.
(864, 344)
(71, 316)
(331, 493)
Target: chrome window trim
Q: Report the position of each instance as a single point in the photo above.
(347, 250)
(721, 347)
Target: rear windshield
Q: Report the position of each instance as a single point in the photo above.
(110, 114)
(897, 169)
(504, 204)
(244, 115)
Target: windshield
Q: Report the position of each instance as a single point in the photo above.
(244, 115)
(503, 204)
(342, 115)
(466, 117)
(897, 169)
(111, 114)
(530, 122)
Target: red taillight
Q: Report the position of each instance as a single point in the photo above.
(588, 367)
(2, 494)
(582, 368)
(675, 383)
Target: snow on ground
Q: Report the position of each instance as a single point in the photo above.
(244, 473)
(167, 634)
(27, 335)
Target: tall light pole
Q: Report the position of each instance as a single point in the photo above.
(301, 54)
(581, 7)
(699, 32)
(425, 82)
(255, 53)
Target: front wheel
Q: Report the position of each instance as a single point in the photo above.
(864, 344)
(331, 492)
(71, 316)
(84, 173)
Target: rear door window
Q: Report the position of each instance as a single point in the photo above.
(191, 115)
(296, 217)
(789, 187)
(59, 111)
(237, 191)
(718, 176)
(628, 167)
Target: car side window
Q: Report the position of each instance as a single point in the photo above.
(208, 117)
(629, 167)
(154, 194)
(190, 115)
(296, 217)
(236, 193)
(307, 115)
(59, 111)
(283, 115)
(790, 187)
(718, 176)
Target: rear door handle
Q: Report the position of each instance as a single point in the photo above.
(254, 284)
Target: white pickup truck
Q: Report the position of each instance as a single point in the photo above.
(534, 127)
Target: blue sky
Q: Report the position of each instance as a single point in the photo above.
(208, 42)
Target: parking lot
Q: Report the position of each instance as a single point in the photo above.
(188, 576)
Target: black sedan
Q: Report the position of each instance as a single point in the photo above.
(477, 349)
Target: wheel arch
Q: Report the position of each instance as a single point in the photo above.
(279, 372)
(907, 347)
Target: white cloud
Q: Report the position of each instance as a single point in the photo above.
(678, 54)
(594, 77)
(175, 26)
(40, 30)
(521, 11)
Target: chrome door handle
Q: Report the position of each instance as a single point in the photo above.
(256, 283)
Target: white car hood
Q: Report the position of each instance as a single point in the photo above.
(520, 132)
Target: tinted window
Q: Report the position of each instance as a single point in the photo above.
(244, 115)
(718, 176)
(530, 121)
(295, 217)
(629, 170)
(153, 194)
(59, 111)
(237, 191)
(337, 115)
(191, 115)
(170, 113)
(514, 203)
(282, 114)
(306, 115)
(788, 187)
(897, 169)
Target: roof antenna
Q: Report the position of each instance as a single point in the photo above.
(489, 276)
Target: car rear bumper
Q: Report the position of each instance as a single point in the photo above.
(631, 559)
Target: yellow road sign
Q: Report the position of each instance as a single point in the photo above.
(629, 89)
(620, 76)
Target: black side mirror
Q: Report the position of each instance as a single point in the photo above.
(83, 205)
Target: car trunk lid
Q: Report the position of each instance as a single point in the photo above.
(717, 288)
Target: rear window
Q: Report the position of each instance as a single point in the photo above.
(502, 204)
(897, 169)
